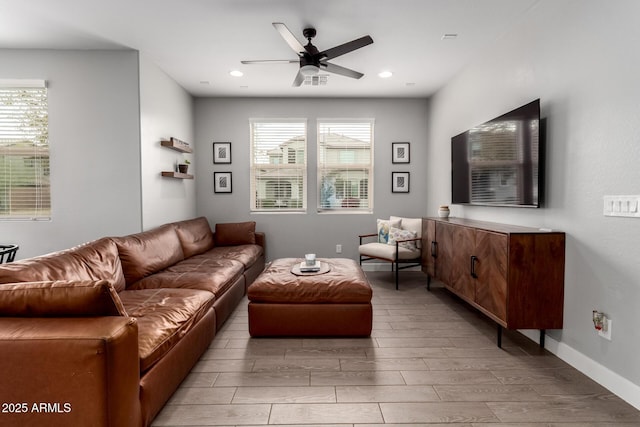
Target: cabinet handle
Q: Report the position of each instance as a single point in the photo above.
(473, 266)
(434, 249)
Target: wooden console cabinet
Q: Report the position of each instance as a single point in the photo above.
(514, 275)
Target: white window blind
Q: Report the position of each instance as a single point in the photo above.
(345, 165)
(278, 165)
(24, 150)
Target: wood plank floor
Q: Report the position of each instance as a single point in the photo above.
(431, 360)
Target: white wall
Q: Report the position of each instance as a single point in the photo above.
(166, 110)
(94, 132)
(581, 58)
(292, 235)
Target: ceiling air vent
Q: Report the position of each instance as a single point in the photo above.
(318, 80)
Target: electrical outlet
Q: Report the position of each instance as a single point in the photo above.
(338, 249)
(605, 332)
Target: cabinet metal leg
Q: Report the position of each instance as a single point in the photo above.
(542, 335)
(499, 336)
(428, 282)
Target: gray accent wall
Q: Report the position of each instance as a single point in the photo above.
(94, 133)
(582, 60)
(294, 234)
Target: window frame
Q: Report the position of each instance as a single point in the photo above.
(12, 138)
(368, 181)
(292, 153)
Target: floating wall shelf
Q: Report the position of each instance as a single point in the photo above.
(177, 175)
(177, 145)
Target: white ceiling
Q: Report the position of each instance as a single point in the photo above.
(198, 42)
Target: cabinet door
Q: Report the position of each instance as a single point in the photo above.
(463, 248)
(429, 247)
(444, 252)
(491, 269)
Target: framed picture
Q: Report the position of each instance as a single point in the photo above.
(400, 152)
(222, 182)
(399, 182)
(221, 152)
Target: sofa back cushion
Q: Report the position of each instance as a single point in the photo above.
(195, 236)
(145, 253)
(236, 233)
(97, 260)
(60, 299)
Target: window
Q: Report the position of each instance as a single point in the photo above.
(278, 165)
(24, 150)
(345, 165)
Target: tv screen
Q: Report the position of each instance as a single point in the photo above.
(499, 163)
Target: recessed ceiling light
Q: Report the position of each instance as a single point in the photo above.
(236, 73)
(449, 36)
(385, 74)
(410, 84)
(205, 82)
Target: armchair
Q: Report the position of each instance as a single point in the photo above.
(398, 241)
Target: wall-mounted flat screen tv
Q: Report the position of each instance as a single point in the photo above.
(499, 163)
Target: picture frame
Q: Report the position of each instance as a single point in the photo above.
(221, 153)
(222, 182)
(400, 152)
(399, 182)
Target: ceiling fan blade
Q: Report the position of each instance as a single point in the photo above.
(272, 61)
(336, 69)
(298, 80)
(334, 52)
(289, 37)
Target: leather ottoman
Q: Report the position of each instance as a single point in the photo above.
(335, 303)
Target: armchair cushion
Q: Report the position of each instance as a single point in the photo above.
(411, 224)
(387, 252)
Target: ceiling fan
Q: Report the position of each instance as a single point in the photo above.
(311, 60)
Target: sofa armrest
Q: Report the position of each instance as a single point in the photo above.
(260, 238)
(69, 371)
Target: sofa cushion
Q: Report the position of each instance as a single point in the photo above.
(60, 299)
(195, 236)
(247, 255)
(148, 252)
(236, 233)
(164, 316)
(97, 260)
(215, 275)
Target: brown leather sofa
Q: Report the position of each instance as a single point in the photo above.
(102, 334)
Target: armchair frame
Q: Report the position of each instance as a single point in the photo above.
(395, 262)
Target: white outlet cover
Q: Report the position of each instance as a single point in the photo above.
(606, 334)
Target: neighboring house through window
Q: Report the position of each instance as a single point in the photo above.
(24, 150)
(345, 165)
(278, 165)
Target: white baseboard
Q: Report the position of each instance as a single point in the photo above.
(618, 385)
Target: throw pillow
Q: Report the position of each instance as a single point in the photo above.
(236, 233)
(384, 225)
(399, 234)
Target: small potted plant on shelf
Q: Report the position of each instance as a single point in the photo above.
(184, 167)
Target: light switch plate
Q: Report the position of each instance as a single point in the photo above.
(626, 206)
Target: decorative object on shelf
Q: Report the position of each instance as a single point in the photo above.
(177, 145)
(399, 182)
(184, 167)
(221, 152)
(222, 182)
(443, 211)
(400, 152)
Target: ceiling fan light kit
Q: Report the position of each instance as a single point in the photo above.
(310, 59)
